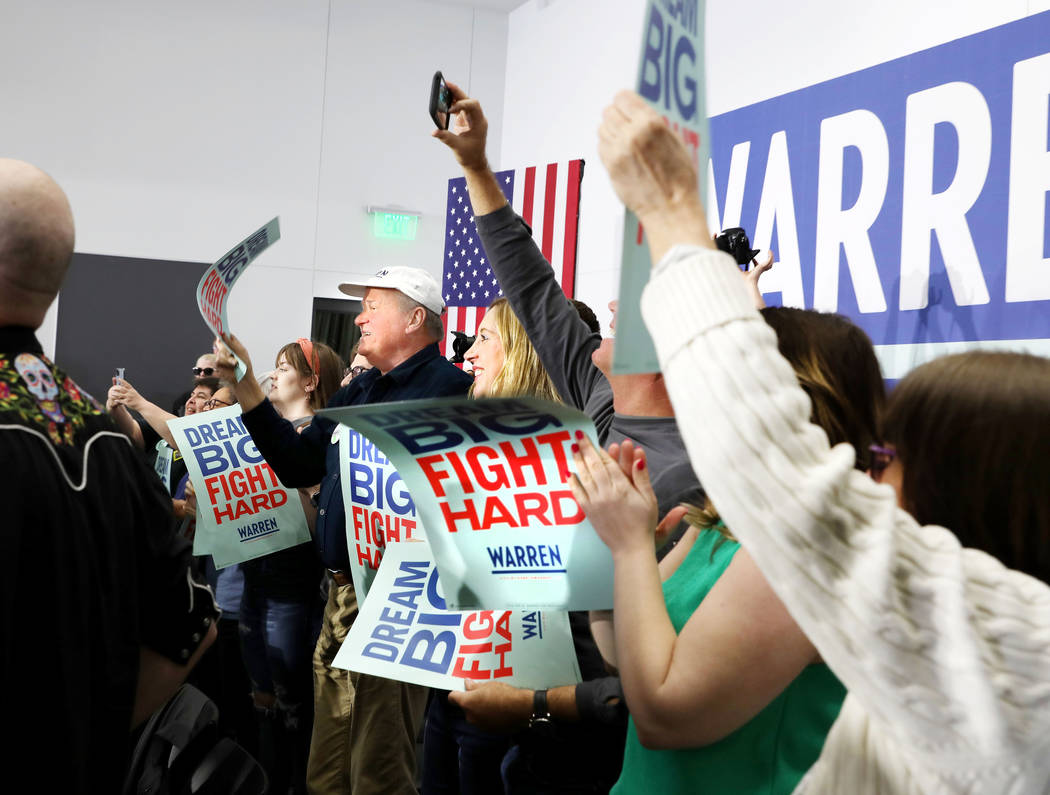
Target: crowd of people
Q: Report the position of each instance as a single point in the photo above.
(817, 587)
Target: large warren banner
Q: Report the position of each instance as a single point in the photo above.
(911, 196)
(489, 479)
(405, 631)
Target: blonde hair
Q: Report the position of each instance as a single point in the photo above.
(522, 373)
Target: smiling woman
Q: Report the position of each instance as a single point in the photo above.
(458, 756)
(505, 362)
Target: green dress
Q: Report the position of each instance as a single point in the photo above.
(767, 755)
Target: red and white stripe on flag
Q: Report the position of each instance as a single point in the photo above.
(548, 198)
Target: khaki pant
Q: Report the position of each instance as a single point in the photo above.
(328, 769)
(365, 727)
(386, 720)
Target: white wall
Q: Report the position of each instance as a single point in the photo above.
(377, 147)
(565, 61)
(177, 130)
(567, 58)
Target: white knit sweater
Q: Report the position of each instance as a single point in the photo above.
(946, 653)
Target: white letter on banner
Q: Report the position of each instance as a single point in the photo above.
(962, 106)
(862, 129)
(714, 217)
(734, 190)
(778, 203)
(1027, 271)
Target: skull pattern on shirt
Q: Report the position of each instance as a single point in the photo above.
(41, 384)
(34, 392)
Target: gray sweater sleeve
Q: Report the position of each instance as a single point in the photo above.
(562, 340)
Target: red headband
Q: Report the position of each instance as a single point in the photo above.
(312, 358)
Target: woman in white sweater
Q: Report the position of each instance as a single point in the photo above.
(945, 650)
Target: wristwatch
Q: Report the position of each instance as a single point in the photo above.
(540, 720)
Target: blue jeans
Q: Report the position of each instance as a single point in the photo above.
(277, 642)
(459, 757)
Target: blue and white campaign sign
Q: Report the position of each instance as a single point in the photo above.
(671, 79)
(213, 290)
(243, 511)
(489, 479)
(162, 463)
(378, 507)
(911, 196)
(405, 631)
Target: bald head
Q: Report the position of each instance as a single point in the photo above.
(36, 242)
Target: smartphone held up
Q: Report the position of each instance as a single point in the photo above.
(440, 100)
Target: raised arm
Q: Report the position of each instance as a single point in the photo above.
(888, 604)
(736, 653)
(562, 340)
(297, 458)
(123, 420)
(125, 394)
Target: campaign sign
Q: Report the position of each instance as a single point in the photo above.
(405, 631)
(213, 290)
(378, 507)
(671, 80)
(911, 195)
(162, 463)
(243, 510)
(489, 479)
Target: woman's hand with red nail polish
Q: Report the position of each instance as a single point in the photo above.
(616, 495)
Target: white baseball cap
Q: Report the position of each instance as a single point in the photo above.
(416, 283)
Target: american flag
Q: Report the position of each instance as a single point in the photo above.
(549, 201)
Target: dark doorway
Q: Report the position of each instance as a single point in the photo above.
(333, 324)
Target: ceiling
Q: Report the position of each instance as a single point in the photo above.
(495, 5)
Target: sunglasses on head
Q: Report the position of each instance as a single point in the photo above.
(203, 371)
(881, 457)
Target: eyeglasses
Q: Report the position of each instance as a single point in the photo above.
(203, 371)
(354, 371)
(881, 457)
(211, 403)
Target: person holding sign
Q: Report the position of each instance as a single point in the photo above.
(579, 361)
(759, 683)
(168, 464)
(281, 611)
(941, 637)
(400, 327)
(457, 756)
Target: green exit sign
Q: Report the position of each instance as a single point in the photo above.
(396, 226)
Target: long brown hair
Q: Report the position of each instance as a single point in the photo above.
(836, 366)
(972, 433)
(330, 369)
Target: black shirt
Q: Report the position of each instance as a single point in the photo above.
(93, 570)
(310, 457)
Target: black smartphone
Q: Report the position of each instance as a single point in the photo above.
(440, 99)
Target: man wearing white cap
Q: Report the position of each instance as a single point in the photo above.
(412, 295)
(400, 326)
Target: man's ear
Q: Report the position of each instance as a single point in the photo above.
(416, 320)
